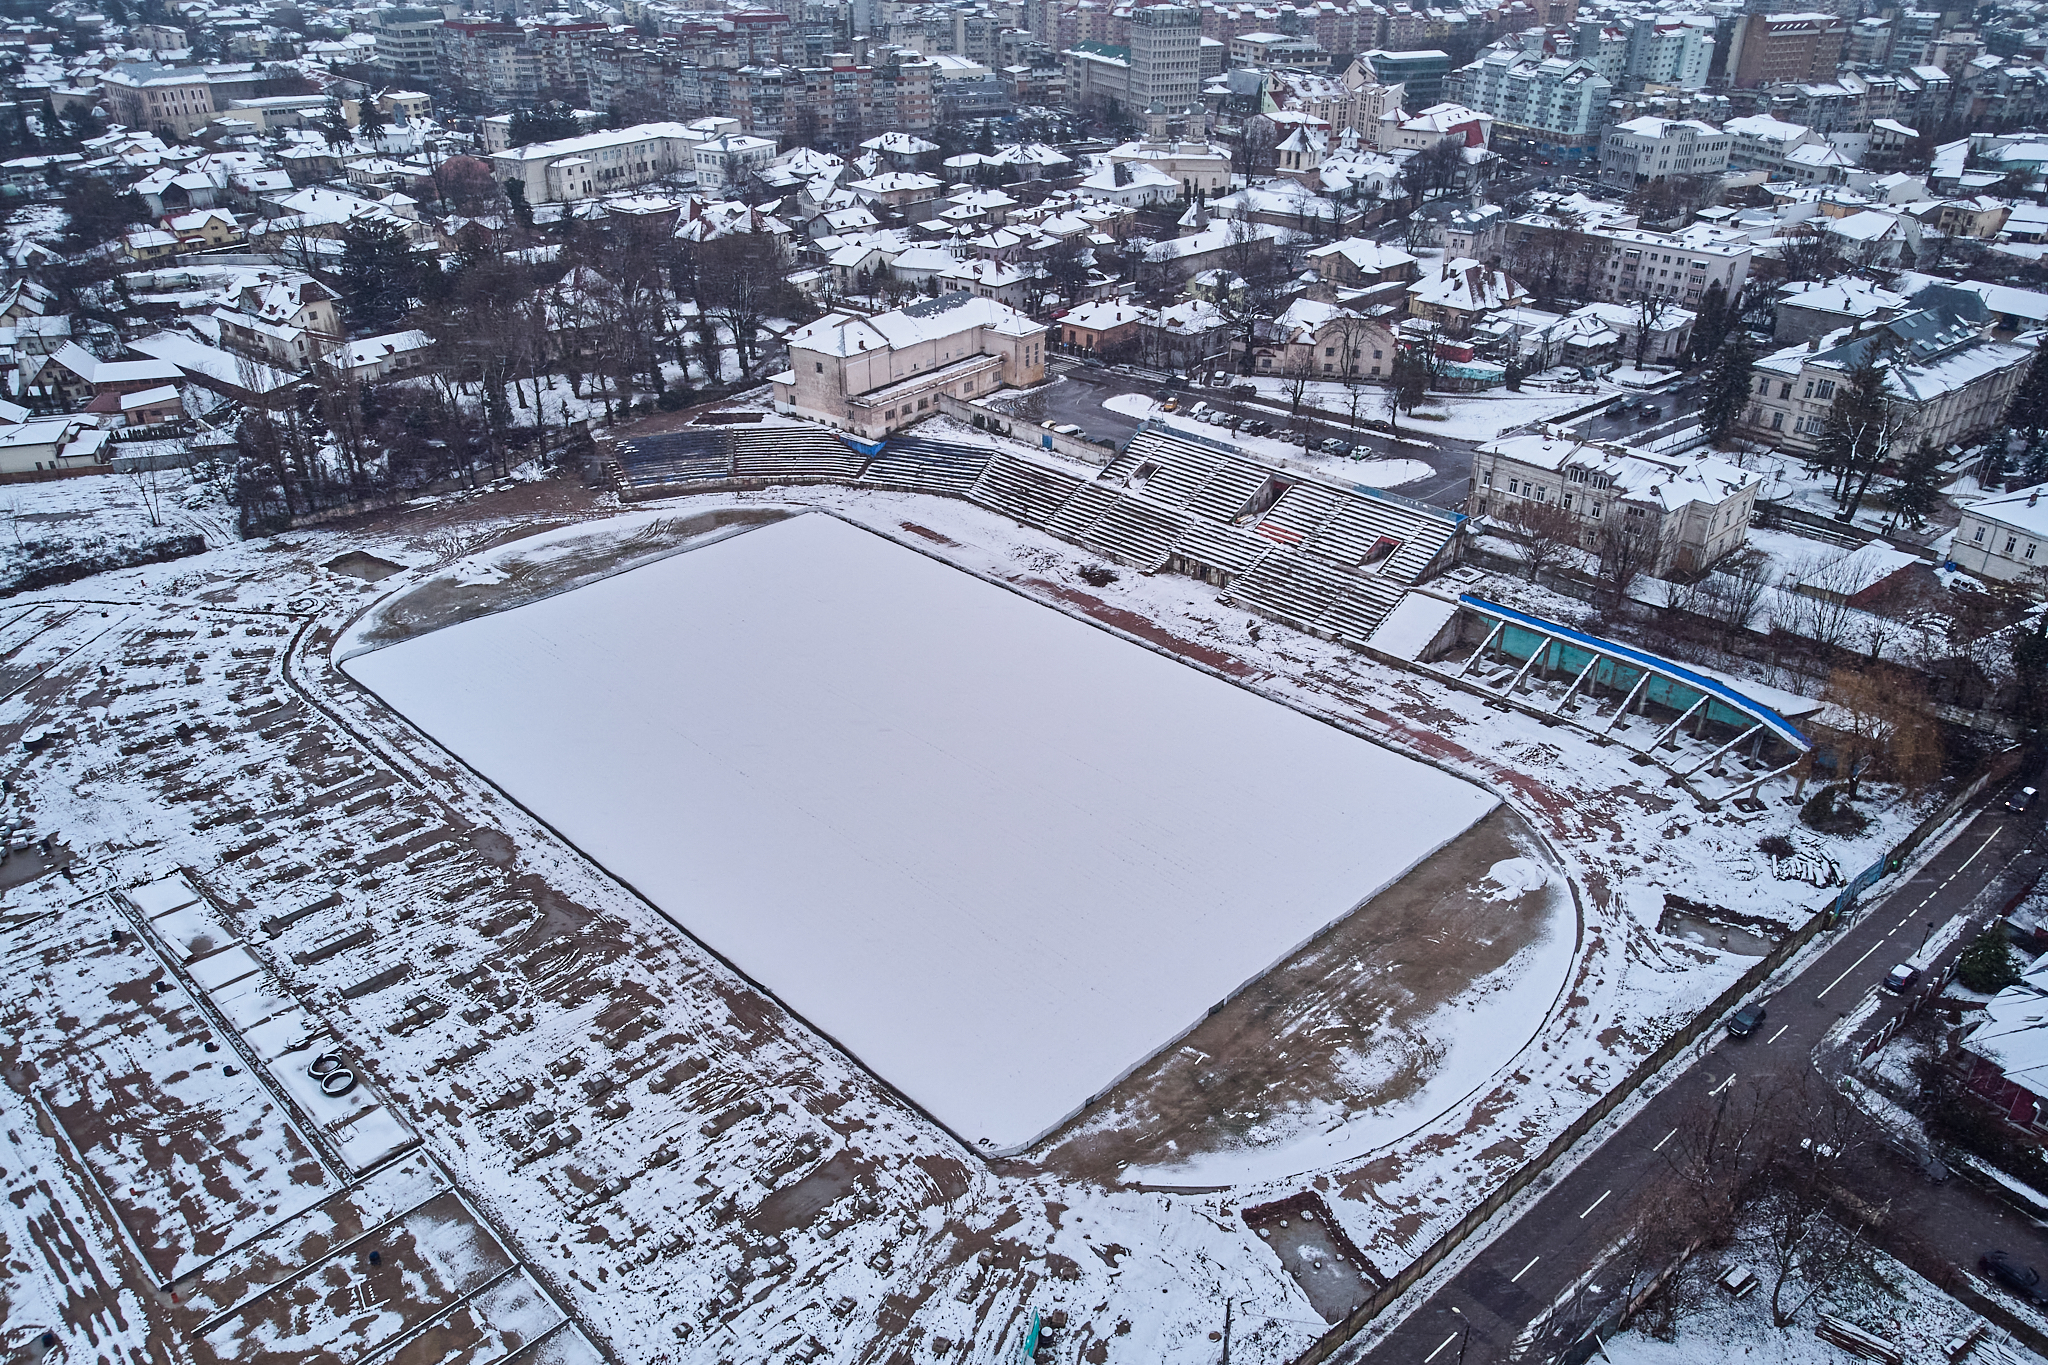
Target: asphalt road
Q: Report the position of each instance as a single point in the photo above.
(1551, 1256)
(1078, 396)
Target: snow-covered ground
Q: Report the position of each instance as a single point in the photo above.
(999, 854)
(697, 1176)
(1904, 1309)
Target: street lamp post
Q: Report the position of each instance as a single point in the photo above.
(1465, 1336)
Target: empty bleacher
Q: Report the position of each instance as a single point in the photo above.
(1298, 514)
(1225, 549)
(1029, 492)
(912, 464)
(1137, 532)
(1079, 513)
(672, 458)
(1227, 490)
(793, 452)
(1322, 557)
(1291, 588)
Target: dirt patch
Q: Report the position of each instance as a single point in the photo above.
(512, 579)
(798, 1205)
(1336, 1025)
(360, 564)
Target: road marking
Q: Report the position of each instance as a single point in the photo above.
(1662, 1140)
(1598, 1202)
(1776, 1036)
(1722, 1086)
(1852, 966)
(1973, 857)
(1439, 1350)
(1524, 1270)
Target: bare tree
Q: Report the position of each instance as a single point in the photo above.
(1548, 533)
(1883, 726)
(1736, 589)
(151, 487)
(1620, 558)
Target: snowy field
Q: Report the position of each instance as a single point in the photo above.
(1000, 855)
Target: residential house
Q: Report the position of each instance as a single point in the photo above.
(1459, 293)
(1688, 511)
(1948, 380)
(1104, 327)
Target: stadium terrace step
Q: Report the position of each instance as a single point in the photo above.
(1290, 588)
(917, 465)
(793, 452)
(1227, 491)
(1137, 533)
(1183, 467)
(1300, 512)
(1080, 512)
(1017, 488)
(674, 457)
(1118, 471)
(1221, 547)
(1357, 613)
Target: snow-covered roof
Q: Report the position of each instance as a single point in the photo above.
(949, 314)
(2025, 510)
(1102, 315)
(1668, 482)
(1848, 295)
(1467, 286)
(1764, 128)
(371, 349)
(1365, 254)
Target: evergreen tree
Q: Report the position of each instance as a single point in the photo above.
(1714, 320)
(1856, 435)
(2028, 416)
(1918, 490)
(370, 118)
(2030, 679)
(1988, 964)
(1727, 387)
(333, 124)
(379, 273)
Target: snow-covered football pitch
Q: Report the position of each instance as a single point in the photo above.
(998, 854)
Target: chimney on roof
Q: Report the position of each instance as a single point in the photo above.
(2033, 497)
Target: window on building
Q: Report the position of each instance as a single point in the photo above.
(1785, 390)
(821, 366)
(2011, 541)
(1777, 421)
(1979, 537)
(1514, 485)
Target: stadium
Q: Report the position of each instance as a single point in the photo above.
(1000, 855)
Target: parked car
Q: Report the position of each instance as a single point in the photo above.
(1334, 445)
(2019, 1277)
(1901, 978)
(1916, 1150)
(2020, 799)
(1746, 1020)
(1649, 412)
(1258, 426)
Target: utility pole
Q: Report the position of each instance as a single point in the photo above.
(1226, 1331)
